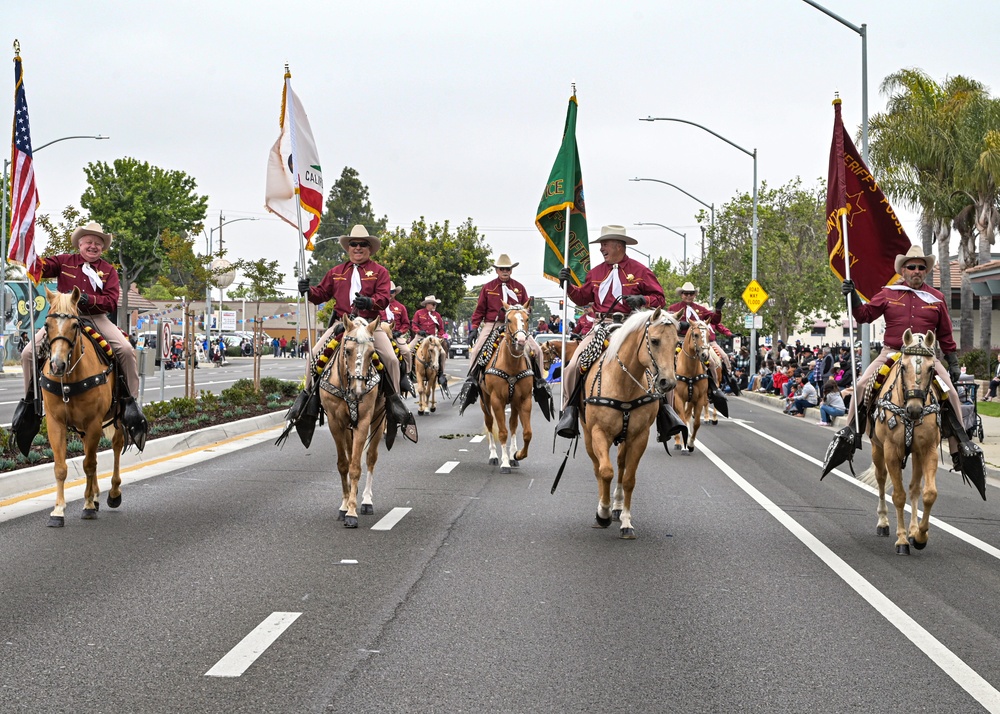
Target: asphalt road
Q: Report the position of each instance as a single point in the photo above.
(752, 586)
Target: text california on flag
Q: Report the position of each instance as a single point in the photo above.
(874, 234)
(295, 149)
(24, 193)
(565, 190)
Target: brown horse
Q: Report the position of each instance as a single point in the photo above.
(624, 389)
(78, 394)
(355, 410)
(508, 379)
(905, 425)
(552, 352)
(425, 363)
(691, 393)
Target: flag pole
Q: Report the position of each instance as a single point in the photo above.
(565, 300)
(298, 209)
(850, 323)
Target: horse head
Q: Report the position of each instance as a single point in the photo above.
(62, 330)
(661, 346)
(916, 370)
(517, 327)
(434, 347)
(696, 342)
(357, 348)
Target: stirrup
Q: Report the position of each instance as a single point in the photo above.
(401, 416)
(468, 396)
(405, 385)
(567, 426)
(443, 379)
(543, 396)
(669, 424)
(25, 424)
(845, 442)
(135, 422)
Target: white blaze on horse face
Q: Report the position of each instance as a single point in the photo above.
(521, 330)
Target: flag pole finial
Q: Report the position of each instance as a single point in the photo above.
(17, 48)
(573, 85)
(288, 73)
(836, 97)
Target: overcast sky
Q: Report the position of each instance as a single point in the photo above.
(451, 110)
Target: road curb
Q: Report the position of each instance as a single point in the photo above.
(33, 478)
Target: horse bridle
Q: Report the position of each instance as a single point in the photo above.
(918, 351)
(512, 337)
(47, 342)
(357, 376)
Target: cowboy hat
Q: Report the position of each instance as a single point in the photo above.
(431, 298)
(393, 289)
(615, 233)
(686, 288)
(914, 253)
(504, 262)
(91, 229)
(360, 231)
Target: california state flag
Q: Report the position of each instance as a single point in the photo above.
(293, 168)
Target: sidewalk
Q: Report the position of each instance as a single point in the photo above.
(991, 428)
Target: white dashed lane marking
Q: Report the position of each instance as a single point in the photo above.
(240, 657)
(390, 519)
(447, 468)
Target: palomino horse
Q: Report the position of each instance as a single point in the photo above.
(355, 410)
(508, 379)
(624, 390)
(78, 394)
(906, 424)
(691, 393)
(552, 352)
(425, 363)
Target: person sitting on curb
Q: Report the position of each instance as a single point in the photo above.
(994, 383)
(833, 404)
(803, 398)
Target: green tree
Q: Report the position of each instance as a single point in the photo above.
(261, 283)
(432, 259)
(139, 204)
(184, 272)
(670, 278)
(59, 234)
(347, 206)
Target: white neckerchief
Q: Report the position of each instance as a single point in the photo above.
(691, 314)
(509, 296)
(389, 317)
(613, 283)
(922, 294)
(95, 279)
(355, 284)
(433, 317)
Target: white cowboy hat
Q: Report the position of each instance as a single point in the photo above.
(393, 289)
(360, 231)
(615, 233)
(914, 253)
(431, 298)
(504, 262)
(91, 229)
(686, 288)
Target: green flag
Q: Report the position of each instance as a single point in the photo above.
(565, 189)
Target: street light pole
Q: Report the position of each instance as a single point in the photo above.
(208, 287)
(3, 242)
(862, 30)
(753, 229)
(682, 235)
(711, 245)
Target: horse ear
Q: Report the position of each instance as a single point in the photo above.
(505, 305)
(75, 295)
(677, 315)
(348, 325)
(48, 294)
(930, 339)
(908, 337)
(372, 326)
(656, 314)
(531, 303)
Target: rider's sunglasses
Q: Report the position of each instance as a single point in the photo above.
(916, 266)
(504, 270)
(687, 292)
(358, 244)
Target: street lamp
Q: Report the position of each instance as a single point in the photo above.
(208, 286)
(863, 31)
(682, 235)
(711, 251)
(3, 240)
(753, 234)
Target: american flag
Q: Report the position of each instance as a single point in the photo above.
(24, 193)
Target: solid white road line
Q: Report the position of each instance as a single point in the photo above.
(447, 467)
(935, 521)
(390, 519)
(950, 663)
(240, 657)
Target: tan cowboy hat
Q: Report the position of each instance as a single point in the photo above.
(615, 233)
(393, 289)
(431, 298)
(91, 229)
(914, 253)
(360, 231)
(504, 262)
(686, 288)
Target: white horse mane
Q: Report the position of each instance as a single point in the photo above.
(635, 322)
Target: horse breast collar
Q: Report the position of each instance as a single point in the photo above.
(885, 404)
(372, 379)
(69, 389)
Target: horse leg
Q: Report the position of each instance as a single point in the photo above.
(57, 440)
(512, 436)
(618, 504)
(117, 444)
(525, 407)
(421, 384)
(878, 459)
(599, 447)
(680, 406)
(432, 388)
(357, 446)
(925, 475)
(695, 422)
(342, 439)
(893, 462)
(367, 505)
(634, 449)
(490, 431)
(91, 440)
(502, 433)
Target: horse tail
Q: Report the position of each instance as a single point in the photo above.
(867, 477)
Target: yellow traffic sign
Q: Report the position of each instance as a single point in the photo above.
(755, 296)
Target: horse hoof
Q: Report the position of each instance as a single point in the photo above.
(515, 463)
(690, 447)
(715, 422)
(505, 469)
(434, 409)
(916, 543)
(616, 514)
(494, 461)
(677, 447)
(627, 534)
(882, 531)
(56, 522)
(420, 412)
(113, 502)
(367, 509)
(350, 521)
(89, 514)
(902, 549)
(601, 522)
(340, 515)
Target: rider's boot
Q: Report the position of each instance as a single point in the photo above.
(469, 394)
(968, 460)
(399, 415)
(541, 392)
(405, 385)
(844, 443)
(716, 396)
(443, 379)
(734, 384)
(668, 424)
(133, 419)
(568, 427)
(26, 422)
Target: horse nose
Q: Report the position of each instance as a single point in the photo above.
(665, 384)
(914, 410)
(57, 366)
